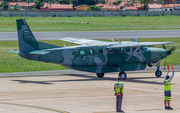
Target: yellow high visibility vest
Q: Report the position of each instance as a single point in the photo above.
(167, 85)
(118, 85)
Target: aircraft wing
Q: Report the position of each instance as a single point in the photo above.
(86, 41)
(136, 44)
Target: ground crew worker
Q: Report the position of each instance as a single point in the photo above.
(167, 89)
(119, 89)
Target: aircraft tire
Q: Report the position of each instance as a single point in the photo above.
(100, 75)
(158, 73)
(123, 75)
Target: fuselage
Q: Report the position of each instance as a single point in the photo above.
(99, 59)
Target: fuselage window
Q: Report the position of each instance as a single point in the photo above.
(134, 48)
(110, 50)
(75, 53)
(82, 52)
(128, 50)
(91, 52)
(120, 49)
(99, 51)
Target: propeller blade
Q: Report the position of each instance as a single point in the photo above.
(170, 51)
(165, 64)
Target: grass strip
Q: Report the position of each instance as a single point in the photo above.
(50, 24)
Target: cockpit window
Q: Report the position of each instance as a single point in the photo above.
(128, 50)
(110, 50)
(144, 48)
(134, 48)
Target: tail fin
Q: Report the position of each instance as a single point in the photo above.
(27, 41)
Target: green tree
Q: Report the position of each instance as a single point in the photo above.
(89, 2)
(145, 2)
(93, 7)
(101, 1)
(64, 1)
(76, 2)
(160, 1)
(80, 2)
(119, 1)
(7, 1)
(4, 4)
(38, 3)
(115, 3)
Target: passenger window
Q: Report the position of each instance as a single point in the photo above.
(120, 49)
(75, 53)
(110, 50)
(128, 50)
(82, 52)
(134, 48)
(91, 52)
(99, 51)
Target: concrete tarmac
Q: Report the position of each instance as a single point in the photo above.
(84, 93)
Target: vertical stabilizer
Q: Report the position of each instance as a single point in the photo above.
(27, 42)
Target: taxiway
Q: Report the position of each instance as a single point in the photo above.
(83, 93)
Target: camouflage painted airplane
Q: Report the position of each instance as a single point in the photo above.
(92, 56)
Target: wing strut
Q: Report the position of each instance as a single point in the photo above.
(132, 53)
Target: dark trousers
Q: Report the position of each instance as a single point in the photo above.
(119, 102)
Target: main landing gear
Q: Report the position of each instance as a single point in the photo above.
(158, 72)
(100, 75)
(123, 75)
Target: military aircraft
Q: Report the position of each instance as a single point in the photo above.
(92, 55)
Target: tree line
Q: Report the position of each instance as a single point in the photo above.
(92, 3)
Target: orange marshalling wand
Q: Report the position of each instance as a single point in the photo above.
(172, 66)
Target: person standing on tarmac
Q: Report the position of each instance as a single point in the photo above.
(119, 89)
(167, 89)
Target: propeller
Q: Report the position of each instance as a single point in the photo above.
(168, 53)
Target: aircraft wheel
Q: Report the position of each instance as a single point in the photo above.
(158, 73)
(123, 75)
(100, 75)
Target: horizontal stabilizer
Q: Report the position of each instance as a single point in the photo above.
(39, 52)
(14, 51)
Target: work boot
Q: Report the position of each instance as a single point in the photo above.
(169, 108)
(166, 107)
(121, 111)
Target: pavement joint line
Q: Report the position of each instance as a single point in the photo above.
(148, 109)
(81, 98)
(49, 109)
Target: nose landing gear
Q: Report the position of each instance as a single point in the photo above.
(158, 72)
